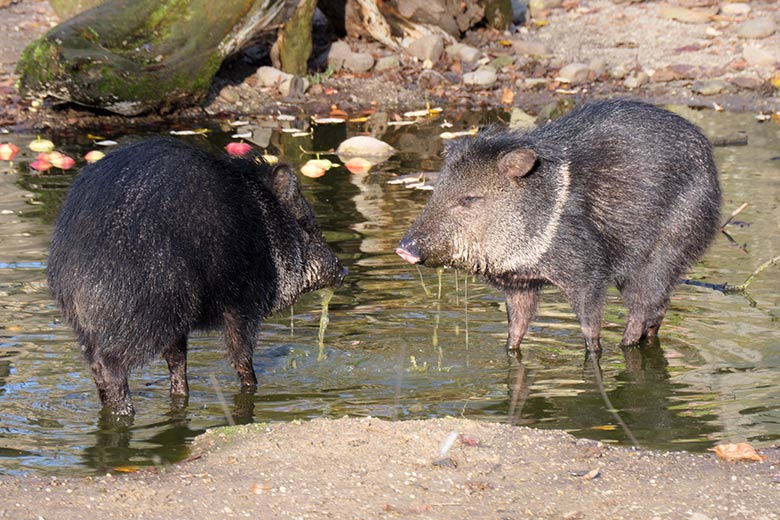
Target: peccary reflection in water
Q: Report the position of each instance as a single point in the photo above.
(160, 238)
(615, 192)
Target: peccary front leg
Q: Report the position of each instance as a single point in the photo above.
(588, 303)
(112, 386)
(176, 357)
(240, 336)
(520, 309)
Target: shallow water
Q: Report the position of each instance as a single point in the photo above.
(395, 348)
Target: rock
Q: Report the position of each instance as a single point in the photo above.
(682, 14)
(709, 87)
(229, 94)
(530, 48)
(519, 8)
(428, 47)
(759, 57)
(359, 62)
(619, 71)
(364, 146)
(288, 85)
(429, 79)
(734, 9)
(675, 72)
(746, 83)
(521, 119)
(756, 28)
(532, 83)
(387, 63)
(665, 74)
(636, 80)
(338, 53)
(574, 73)
(483, 77)
(464, 53)
(502, 61)
(535, 6)
(293, 86)
(598, 66)
(270, 76)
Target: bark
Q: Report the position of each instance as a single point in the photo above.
(134, 56)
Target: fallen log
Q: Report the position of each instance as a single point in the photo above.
(135, 56)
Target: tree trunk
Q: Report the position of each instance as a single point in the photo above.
(134, 56)
(294, 41)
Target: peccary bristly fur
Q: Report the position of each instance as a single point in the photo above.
(615, 192)
(160, 238)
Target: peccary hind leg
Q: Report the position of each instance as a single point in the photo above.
(644, 317)
(646, 294)
(176, 357)
(520, 309)
(240, 336)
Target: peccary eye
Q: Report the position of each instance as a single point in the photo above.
(468, 200)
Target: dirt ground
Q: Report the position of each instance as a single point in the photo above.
(367, 468)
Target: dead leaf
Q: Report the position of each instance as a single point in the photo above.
(592, 474)
(126, 469)
(775, 81)
(507, 96)
(468, 440)
(259, 489)
(738, 451)
(337, 112)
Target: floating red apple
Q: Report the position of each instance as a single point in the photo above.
(237, 148)
(8, 151)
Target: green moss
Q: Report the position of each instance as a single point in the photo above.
(38, 64)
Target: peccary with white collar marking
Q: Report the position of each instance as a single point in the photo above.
(615, 192)
(160, 238)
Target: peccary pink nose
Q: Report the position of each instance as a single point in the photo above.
(406, 255)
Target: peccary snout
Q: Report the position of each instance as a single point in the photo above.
(408, 252)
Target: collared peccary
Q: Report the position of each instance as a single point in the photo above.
(615, 192)
(160, 238)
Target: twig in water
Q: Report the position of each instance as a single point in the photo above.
(744, 285)
(422, 282)
(733, 214)
(727, 288)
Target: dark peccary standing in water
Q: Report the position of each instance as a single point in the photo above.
(615, 192)
(160, 238)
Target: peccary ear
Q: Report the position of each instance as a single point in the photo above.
(517, 163)
(284, 183)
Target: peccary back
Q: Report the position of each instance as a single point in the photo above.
(616, 191)
(160, 237)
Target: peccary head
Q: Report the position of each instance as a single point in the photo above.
(496, 206)
(303, 260)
